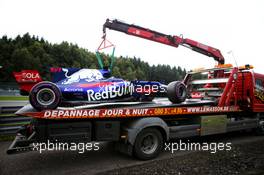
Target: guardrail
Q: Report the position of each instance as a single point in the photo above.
(9, 109)
(9, 122)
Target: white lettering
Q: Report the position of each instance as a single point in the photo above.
(47, 114)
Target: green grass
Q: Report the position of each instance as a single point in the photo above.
(7, 115)
(6, 138)
(14, 124)
(14, 98)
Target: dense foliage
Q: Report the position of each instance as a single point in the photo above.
(31, 52)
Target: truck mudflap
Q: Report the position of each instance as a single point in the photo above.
(21, 144)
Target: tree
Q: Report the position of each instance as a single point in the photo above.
(116, 72)
(30, 52)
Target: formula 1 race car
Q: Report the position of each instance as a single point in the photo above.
(71, 86)
(75, 86)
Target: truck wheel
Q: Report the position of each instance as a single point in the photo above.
(148, 144)
(177, 92)
(45, 95)
(260, 129)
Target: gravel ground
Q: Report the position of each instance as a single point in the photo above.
(245, 159)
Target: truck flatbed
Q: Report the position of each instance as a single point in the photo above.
(160, 107)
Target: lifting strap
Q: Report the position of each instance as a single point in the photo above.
(105, 44)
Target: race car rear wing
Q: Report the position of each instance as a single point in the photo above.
(26, 79)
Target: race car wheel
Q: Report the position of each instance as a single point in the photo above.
(45, 95)
(176, 92)
(148, 144)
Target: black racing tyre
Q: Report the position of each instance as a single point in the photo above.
(45, 95)
(148, 144)
(176, 92)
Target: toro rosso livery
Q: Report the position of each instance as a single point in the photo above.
(72, 85)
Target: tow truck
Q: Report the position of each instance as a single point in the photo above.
(220, 100)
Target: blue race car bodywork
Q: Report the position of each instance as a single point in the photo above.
(90, 86)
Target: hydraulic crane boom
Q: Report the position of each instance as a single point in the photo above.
(174, 41)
